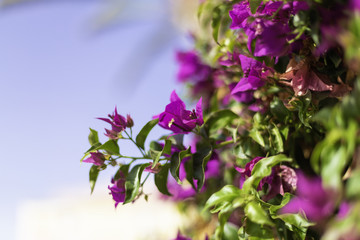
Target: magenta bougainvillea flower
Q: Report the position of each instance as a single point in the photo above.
(96, 158)
(271, 36)
(118, 124)
(316, 202)
(191, 67)
(246, 172)
(282, 179)
(254, 74)
(117, 190)
(179, 120)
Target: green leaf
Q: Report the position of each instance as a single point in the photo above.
(175, 161)
(263, 169)
(144, 132)
(122, 172)
(132, 183)
(256, 230)
(156, 151)
(93, 137)
(301, 104)
(161, 179)
(257, 136)
(220, 119)
(189, 169)
(93, 175)
(230, 232)
(91, 149)
(200, 159)
(277, 139)
(274, 208)
(216, 22)
(111, 147)
(294, 222)
(278, 109)
(254, 4)
(353, 186)
(257, 214)
(227, 194)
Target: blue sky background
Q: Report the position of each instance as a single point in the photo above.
(57, 75)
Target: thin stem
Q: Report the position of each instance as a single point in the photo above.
(136, 158)
(131, 139)
(145, 179)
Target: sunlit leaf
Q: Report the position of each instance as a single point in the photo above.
(144, 132)
(132, 183)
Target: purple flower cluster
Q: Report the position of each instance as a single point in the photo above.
(179, 120)
(118, 124)
(96, 158)
(254, 74)
(117, 190)
(271, 36)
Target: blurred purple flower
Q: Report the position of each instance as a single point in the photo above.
(191, 67)
(180, 237)
(96, 158)
(344, 209)
(311, 198)
(177, 118)
(273, 40)
(258, 106)
(271, 36)
(118, 124)
(117, 190)
(355, 4)
(230, 60)
(332, 23)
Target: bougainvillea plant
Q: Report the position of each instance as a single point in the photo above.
(274, 149)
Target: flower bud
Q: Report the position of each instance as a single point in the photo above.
(129, 121)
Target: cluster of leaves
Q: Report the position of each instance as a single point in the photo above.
(277, 155)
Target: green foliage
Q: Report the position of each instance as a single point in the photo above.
(132, 183)
(144, 132)
(254, 4)
(93, 137)
(93, 175)
(200, 159)
(263, 169)
(156, 151)
(175, 161)
(219, 119)
(315, 131)
(111, 147)
(161, 179)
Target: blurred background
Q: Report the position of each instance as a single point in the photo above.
(64, 63)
